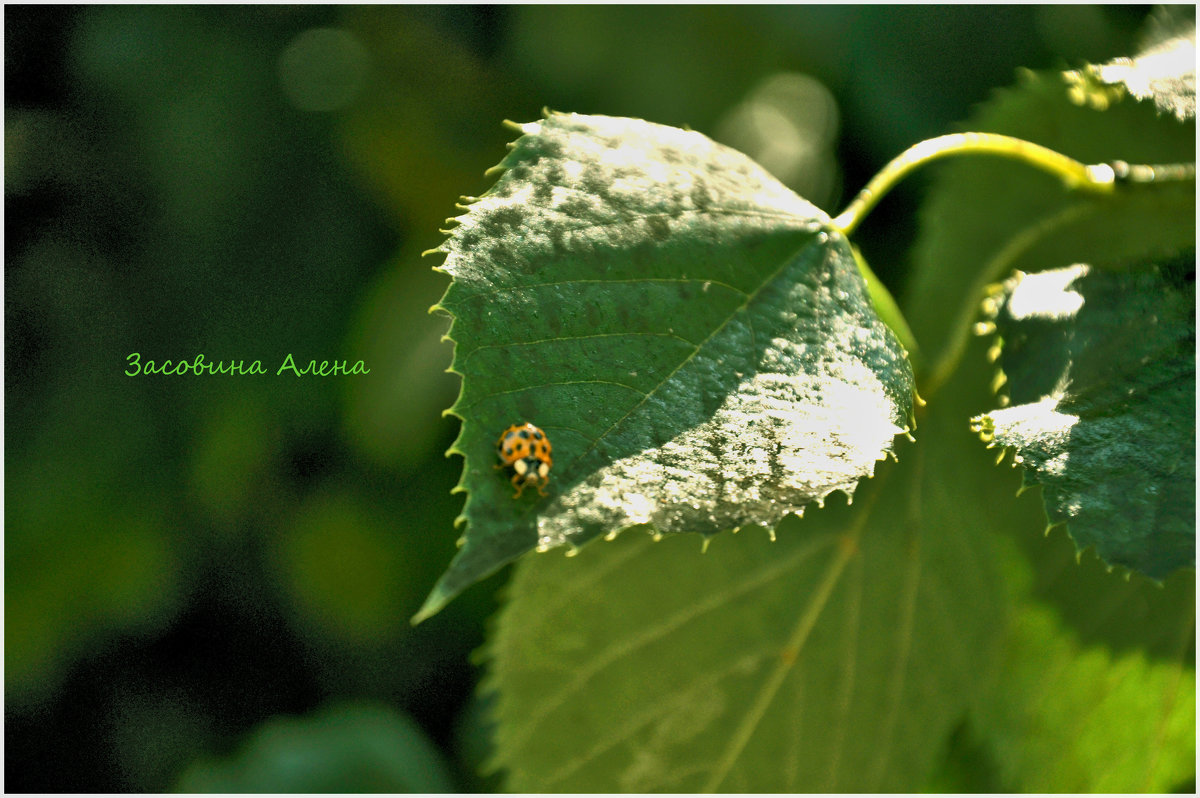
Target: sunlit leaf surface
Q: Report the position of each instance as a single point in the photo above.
(695, 340)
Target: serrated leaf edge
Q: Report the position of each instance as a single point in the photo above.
(984, 426)
(461, 520)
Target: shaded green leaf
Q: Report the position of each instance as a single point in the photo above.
(1101, 373)
(695, 340)
(1048, 723)
(347, 748)
(837, 658)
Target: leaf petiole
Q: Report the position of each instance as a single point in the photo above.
(1098, 178)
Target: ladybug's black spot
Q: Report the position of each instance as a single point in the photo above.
(524, 434)
(508, 451)
(537, 436)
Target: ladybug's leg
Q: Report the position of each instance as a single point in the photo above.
(520, 488)
(542, 485)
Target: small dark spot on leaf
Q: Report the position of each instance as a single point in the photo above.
(660, 228)
(499, 254)
(577, 208)
(551, 148)
(507, 217)
(554, 173)
(595, 182)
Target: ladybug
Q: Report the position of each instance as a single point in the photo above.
(526, 450)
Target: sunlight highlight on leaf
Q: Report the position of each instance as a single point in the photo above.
(1100, 368)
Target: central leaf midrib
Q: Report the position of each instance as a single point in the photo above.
(614, 652)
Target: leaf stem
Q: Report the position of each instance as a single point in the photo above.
(1099, 178)
(962, 331)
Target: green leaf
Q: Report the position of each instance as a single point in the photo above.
(1101, 373)
(837, 658)
(342, 749)
(986, 217)
(1098, 685)
(1048, 723)
(990, 219)
(694, 338)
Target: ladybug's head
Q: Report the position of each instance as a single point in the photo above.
(531, 468)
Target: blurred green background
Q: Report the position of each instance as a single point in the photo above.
(208, 579)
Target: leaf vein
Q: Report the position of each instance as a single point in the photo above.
(620, 648)
(657, 709)
(812, 611)
(717, 329)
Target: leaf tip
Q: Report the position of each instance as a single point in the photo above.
(523, 127)
(434, 603)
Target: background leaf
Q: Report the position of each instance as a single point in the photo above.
(1097, 679)
(994, 218)
(1096, 676)
(700, 350)
(342, 749)
(988, 217)
(1101, 373)
(837, 658)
